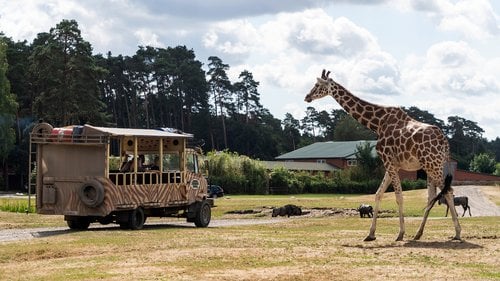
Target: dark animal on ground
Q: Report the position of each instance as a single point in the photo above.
(287, 210)
(459, 200)
(365, 209)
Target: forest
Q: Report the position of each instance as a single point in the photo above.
(58, 79)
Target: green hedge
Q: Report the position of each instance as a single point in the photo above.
(239, 174)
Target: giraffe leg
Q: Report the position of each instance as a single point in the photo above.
(398, 191)
(454, 215)
(431, 191)
(378, 197)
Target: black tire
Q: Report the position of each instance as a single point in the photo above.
(136, 219)
(78, 223)
(91, 193)
(203, 214)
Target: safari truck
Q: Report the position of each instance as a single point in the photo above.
(116, 175)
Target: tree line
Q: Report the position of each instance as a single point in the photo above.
(57, 78)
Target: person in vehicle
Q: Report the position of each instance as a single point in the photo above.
(140, 163)
(127, 164)
(156, 164)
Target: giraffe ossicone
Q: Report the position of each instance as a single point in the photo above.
(402, 144)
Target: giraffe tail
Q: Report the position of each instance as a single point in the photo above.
(446, 189)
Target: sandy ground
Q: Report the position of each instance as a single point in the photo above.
(479, 203)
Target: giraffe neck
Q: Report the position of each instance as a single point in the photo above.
(368, 114)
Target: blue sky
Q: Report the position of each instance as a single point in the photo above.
(439, 55)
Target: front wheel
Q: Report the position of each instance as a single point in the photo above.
(203, 215)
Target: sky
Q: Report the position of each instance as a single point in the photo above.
(442, 56)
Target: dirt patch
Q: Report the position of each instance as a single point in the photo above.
(266, 211)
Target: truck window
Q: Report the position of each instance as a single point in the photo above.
(171, 162)
(191, 163)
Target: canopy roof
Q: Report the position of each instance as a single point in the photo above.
(160, 133)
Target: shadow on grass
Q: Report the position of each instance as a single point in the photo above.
(450, 244)
(112, 227)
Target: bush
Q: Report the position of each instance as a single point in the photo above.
(237, 174)
(483, 163)
(412, 185)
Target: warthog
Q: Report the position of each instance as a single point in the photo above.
(287, 210)
(365, 209)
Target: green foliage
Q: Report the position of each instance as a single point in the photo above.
(412, 185)
(349, 129)
(497, 169)
(65, 77)
(8, 108)
(369, 167)
(342, 182)
(483, 163)
(237, 174)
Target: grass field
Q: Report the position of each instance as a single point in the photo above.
(328, 248)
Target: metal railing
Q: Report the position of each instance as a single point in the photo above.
(40, 138)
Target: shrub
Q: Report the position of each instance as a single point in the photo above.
(483, 163)
(412, 185)
(237, 174)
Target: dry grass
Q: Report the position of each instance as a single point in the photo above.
(293, 249)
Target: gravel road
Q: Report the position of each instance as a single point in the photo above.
(479, 203)
(8, 235)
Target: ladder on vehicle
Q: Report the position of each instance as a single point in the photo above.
(32, 171)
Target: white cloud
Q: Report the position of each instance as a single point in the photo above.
(454, 79)
(450, 67)
(147, 37)
(474, 19)
(237, 37)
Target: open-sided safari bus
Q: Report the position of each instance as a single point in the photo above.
(98, 174)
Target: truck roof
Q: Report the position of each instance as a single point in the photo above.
(161, 132)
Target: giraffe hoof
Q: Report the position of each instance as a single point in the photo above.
(369, 238)
(417, 237)
(456, 238)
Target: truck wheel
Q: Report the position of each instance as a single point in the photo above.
(136, 219)
(78, 223)
(203, 215)
(91, 193)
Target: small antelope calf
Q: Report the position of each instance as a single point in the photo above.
(459, 200)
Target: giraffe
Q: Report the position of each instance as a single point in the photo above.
(403, 143)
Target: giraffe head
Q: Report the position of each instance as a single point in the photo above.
(321, 87)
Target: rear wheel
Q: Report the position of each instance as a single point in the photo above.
(203, 215)
(78, 223)
(136, 219)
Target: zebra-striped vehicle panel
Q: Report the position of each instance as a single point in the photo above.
(73, 176)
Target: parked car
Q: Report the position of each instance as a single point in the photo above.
(215, 191)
